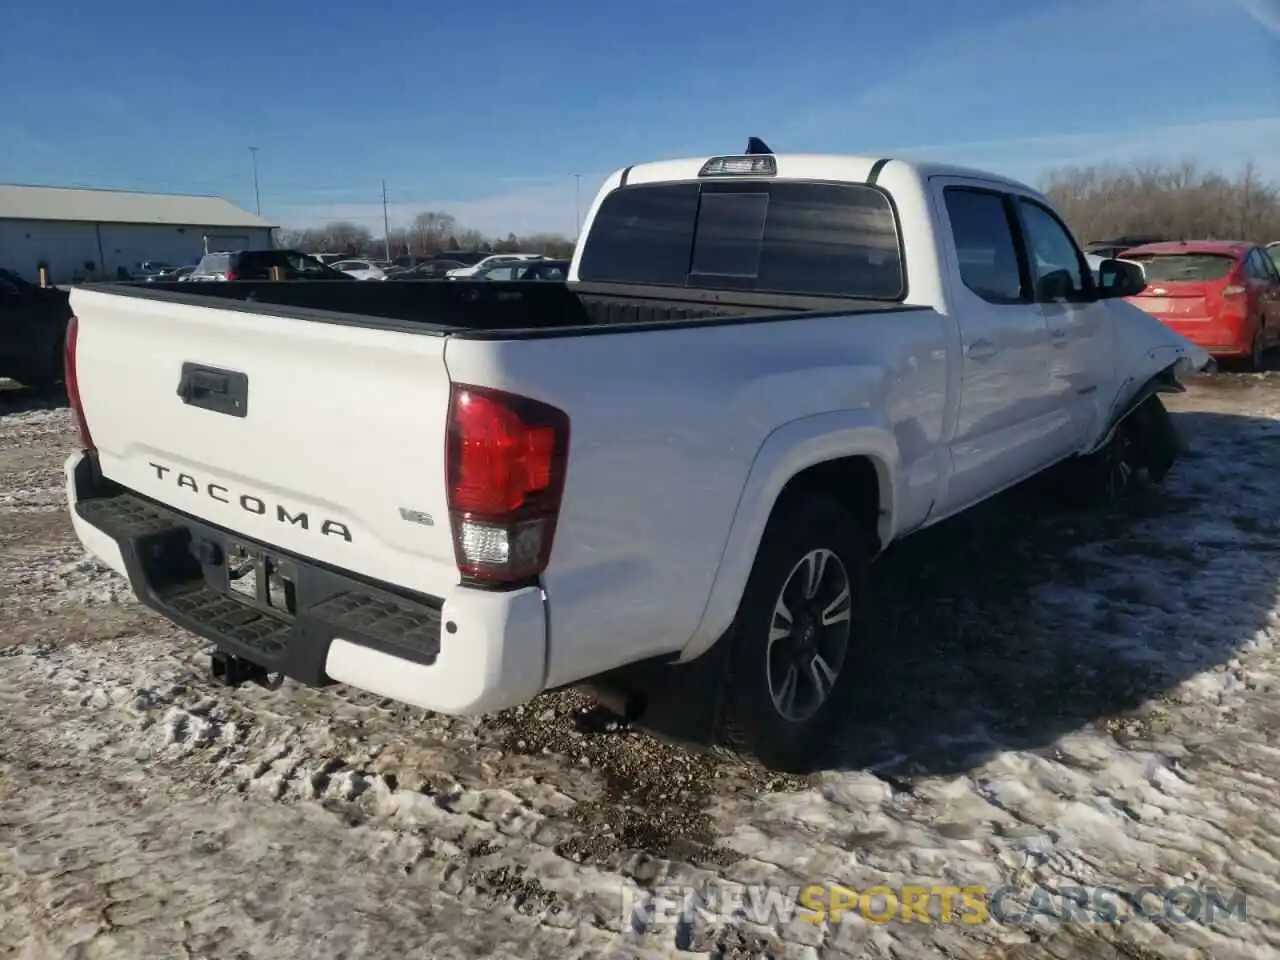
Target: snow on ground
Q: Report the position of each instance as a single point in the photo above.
(1060, 699)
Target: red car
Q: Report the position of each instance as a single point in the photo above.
(1222, 295)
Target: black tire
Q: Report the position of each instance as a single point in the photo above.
(749, 724)
(1145, 442)
(1155, 440)
(1258, 350)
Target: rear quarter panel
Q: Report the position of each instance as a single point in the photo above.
(667, 427)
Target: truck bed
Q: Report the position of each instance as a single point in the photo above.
(480, 309)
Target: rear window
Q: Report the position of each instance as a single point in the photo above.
(214, 263)
(817, 239)
(255, 263)
(1185, 267)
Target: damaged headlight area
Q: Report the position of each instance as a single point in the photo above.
(1187, 369)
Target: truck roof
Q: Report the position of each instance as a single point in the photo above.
(849, 168)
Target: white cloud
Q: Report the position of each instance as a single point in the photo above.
(1265, 12)
(1226, 144)
(548, 206)
(542, 206)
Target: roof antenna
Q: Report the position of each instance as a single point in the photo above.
(755, 145)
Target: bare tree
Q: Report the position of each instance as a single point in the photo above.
(1178, 201)
(431, 229)
(337, 237)
(429, 233)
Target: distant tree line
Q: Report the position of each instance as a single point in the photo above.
(1182, 202)
(430, 233)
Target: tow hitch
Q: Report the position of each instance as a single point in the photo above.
(233, 671)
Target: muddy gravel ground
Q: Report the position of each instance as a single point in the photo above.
(1059, 699)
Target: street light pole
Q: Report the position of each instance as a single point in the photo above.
(257, 197)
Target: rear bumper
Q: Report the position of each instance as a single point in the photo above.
(473, 651)
(1219, 338)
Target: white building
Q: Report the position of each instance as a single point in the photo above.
(81, 234)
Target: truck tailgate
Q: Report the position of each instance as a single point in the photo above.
(335, 454)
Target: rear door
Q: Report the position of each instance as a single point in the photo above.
(1264, 289)
(337, 453)
(1005, 410)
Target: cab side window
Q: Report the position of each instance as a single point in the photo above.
(1058, 271)
(982, 228)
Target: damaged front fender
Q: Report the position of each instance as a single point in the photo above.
(1149, 359)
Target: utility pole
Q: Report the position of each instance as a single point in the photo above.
(577, 205)
(257, 197)
(386, 224)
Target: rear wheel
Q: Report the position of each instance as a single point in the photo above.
(795, 642)
(1258, 350)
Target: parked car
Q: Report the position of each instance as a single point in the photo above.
(146, 269)
(427, 270)
(258, 264)
(525, 270)
(171, 273)
(360, 269)
(1222, 295)
(490, 261)
(33, 324)
(407, 262)
(761, 372)
(1113, 248)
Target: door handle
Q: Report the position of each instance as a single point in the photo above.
(222, 391)
(1058, 336)
(982, 350)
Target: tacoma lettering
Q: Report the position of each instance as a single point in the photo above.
(251, 504)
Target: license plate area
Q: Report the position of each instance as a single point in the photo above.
(260, 579)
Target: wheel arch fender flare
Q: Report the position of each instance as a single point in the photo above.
(789, 450)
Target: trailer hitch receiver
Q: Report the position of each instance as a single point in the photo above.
(233, 671)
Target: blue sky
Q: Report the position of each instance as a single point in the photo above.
(486, 111)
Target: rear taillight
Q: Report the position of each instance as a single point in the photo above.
(505, 458)
(72, 382)
(1235, 284)
(230, 275)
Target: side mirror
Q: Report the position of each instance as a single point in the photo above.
(1120, 278)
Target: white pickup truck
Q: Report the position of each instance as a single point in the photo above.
(762, 370)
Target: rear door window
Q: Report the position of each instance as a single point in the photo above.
(982, 228)
(816, 239)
